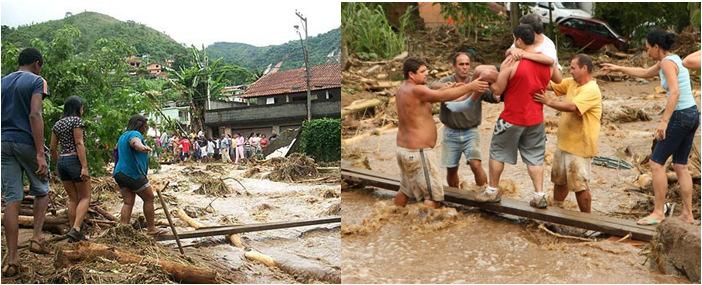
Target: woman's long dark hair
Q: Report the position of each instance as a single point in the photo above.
(662, 38)
(136, 122)
(72, 106)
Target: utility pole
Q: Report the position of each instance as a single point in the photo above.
(307, 67)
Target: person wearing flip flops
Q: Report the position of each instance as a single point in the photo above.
(23, 152)
(131, 170)
(72, 164)
(578, 130)
(676, 129)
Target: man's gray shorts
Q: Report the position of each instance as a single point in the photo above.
(508, 138)
(16, 159)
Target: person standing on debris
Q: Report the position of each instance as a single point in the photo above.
(520, 126)
(225, 145)
(676, 129)
(184, 146)
(217, 147)
(416, 134)
(131, 170)
(461, 135)
(23, 152)
(578, 130)
(240, 142)
(264, 141)
(72, 164)
(210, 149)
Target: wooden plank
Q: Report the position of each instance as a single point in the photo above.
(381, 181)
(248, 228)
(596, 222)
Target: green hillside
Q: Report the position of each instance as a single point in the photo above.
(257, 58)
(94, 26)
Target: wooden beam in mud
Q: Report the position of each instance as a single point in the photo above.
(595, 222)
(248, 228)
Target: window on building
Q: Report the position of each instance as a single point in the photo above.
(270, 100)
(328, 95)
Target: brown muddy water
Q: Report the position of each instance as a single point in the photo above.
(386, 244)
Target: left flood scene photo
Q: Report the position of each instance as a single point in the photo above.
(170, 142)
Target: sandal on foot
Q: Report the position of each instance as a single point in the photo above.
(37, 247)
(10, 270)
(649, 221)
(158, 232)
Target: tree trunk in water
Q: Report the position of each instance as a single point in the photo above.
(86, 250)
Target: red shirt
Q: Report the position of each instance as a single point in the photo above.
(520, 107)
(185, 144)
(264, 142)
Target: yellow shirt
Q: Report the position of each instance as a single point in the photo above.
(578, 134)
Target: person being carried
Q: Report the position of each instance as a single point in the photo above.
(520, 126)
(416, 134)
(578, 130)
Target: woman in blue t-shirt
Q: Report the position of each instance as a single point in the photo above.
(130, 172)
(676, 130)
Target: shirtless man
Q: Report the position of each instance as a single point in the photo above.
(416, 134)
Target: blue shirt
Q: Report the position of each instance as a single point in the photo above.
(17, 91)
(131, 162)
(686, 100)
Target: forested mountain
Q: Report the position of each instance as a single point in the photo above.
(258, 58)
(94, 26)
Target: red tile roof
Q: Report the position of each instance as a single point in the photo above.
(293, 81)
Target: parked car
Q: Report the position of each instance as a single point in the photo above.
(581, 32)
(560, 11)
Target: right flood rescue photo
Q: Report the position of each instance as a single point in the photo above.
(534, 142)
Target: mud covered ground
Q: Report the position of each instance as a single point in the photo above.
(302, 255)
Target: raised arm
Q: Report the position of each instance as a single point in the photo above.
(692, 60)
(53, 146)
(538, 57)
(428, 95)
(633, 71)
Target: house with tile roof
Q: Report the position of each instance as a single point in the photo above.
(279, 100)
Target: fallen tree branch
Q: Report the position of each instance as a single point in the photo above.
(260, 257)
(104, 213)
(183, 216)
(84, 251)
(541, 226)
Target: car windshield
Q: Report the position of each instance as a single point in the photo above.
(566, 5)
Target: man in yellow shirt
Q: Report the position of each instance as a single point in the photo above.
(578, 130)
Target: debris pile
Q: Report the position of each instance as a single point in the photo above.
(295, 168)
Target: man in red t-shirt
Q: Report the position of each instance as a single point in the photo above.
(520, 126)
(184, 148)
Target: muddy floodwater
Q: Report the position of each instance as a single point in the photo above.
(385, 244)
(417, 245)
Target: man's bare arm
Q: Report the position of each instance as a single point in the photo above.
(36, 121)
(447, 94)
(501, 84)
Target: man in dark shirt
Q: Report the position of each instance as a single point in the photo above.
(460, 133)
(23, 151)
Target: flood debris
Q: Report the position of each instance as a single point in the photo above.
(675, 249)
(296, 167)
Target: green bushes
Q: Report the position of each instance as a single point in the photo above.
(321, 139)
(367, 33)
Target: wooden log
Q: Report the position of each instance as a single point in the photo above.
(260, 257)
(235, 240)
(84, 251)
(360, 105)
(104, 213)
(29, 220)
(589, 221)
(183, 216)
(227, 230)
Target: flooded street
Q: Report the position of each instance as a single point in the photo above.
(385, 244)
(472, 247)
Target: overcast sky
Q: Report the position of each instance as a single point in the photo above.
(254, 22)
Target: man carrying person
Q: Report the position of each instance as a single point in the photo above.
(520, 126)
(578, 130)
(23, 152)
(461, 135)
(416, 134)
